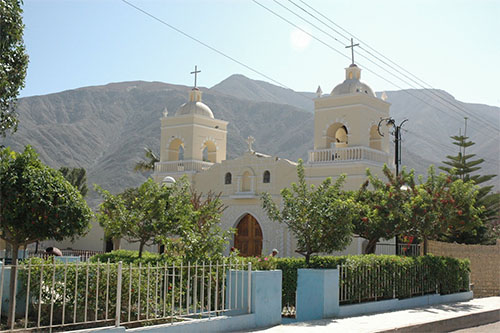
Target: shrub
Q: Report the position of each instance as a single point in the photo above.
(375, 277)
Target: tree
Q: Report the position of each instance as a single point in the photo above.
(37, 203)
(77, 177)
(380, 213)
(146, 215)
(148, 164)
(202, 237)
(439, 205)
(461, 167)
(13, 62)
(319, 217)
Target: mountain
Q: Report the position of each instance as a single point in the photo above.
(242, 87)
(105, 128)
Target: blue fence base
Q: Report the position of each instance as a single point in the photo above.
(401, 304)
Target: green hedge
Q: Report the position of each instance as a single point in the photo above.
(368, 277)
(374, 277)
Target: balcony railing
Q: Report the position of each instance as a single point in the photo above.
(181, 166)
(347, 154)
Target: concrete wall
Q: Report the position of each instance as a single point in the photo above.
(401, 304)
(265, 308)
(485, 264)
(318, 298)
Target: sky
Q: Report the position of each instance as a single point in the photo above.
(452, 45)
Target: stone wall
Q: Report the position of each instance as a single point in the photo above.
(485, 264)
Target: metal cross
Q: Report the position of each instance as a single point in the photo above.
(352, 49)
(196, 71)
(250, 140)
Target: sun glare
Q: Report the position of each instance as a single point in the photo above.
(299, 40)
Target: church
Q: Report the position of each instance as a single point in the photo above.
(347, 140)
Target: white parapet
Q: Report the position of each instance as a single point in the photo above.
(347, 154)
(181, 166)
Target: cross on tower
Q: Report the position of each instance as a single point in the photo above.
(196, 71)
(250, 140)
(352, 49)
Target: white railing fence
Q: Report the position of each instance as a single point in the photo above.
(75, 295)
(347, 154)
(181, 166)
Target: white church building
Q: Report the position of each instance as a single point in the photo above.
(193, 143)
(346, 141)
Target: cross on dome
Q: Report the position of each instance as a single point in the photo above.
(196, 71)
(250, 140)
(352, 49)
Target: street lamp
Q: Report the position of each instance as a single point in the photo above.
(168, 181)
(391, 123)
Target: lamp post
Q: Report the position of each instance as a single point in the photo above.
(168, 181)
(390, 122)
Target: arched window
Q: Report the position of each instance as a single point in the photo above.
(209, 152)
(336, 136)
(267, 177)
(176, 150)
(227, 178)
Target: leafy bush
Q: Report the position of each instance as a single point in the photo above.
(375, 277)
(152, 287)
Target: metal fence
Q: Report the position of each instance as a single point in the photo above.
(83, 254)
(30, 253)
(409, 250)
(368, 283)
(74, 295)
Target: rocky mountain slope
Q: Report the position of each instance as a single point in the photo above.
(104, 128)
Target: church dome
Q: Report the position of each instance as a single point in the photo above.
(195, 106)
(352, 84)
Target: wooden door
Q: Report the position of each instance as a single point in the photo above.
(248, 238)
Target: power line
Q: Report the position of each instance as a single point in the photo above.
(260, 73)
(335, 50)
(431, 90)
(371, 61)
(211, 47)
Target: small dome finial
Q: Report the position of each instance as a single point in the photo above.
(319, 92)
(165, 112)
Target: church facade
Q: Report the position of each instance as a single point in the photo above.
(347, 140)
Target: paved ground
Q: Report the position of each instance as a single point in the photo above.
(490, 328)
(437, 318)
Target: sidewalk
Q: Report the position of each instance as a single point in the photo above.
(437, 318)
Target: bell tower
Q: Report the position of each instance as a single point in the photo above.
(192, 140)
(346, 123)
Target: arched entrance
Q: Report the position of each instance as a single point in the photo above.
(248, 238)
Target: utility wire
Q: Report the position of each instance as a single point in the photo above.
(335, 50)
(260, 73)
(211, 47)
(371, 61)
(427, 87)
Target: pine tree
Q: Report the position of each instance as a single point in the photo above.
(462, 166)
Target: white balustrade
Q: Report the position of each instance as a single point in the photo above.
(347, 154)
(181, 166)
